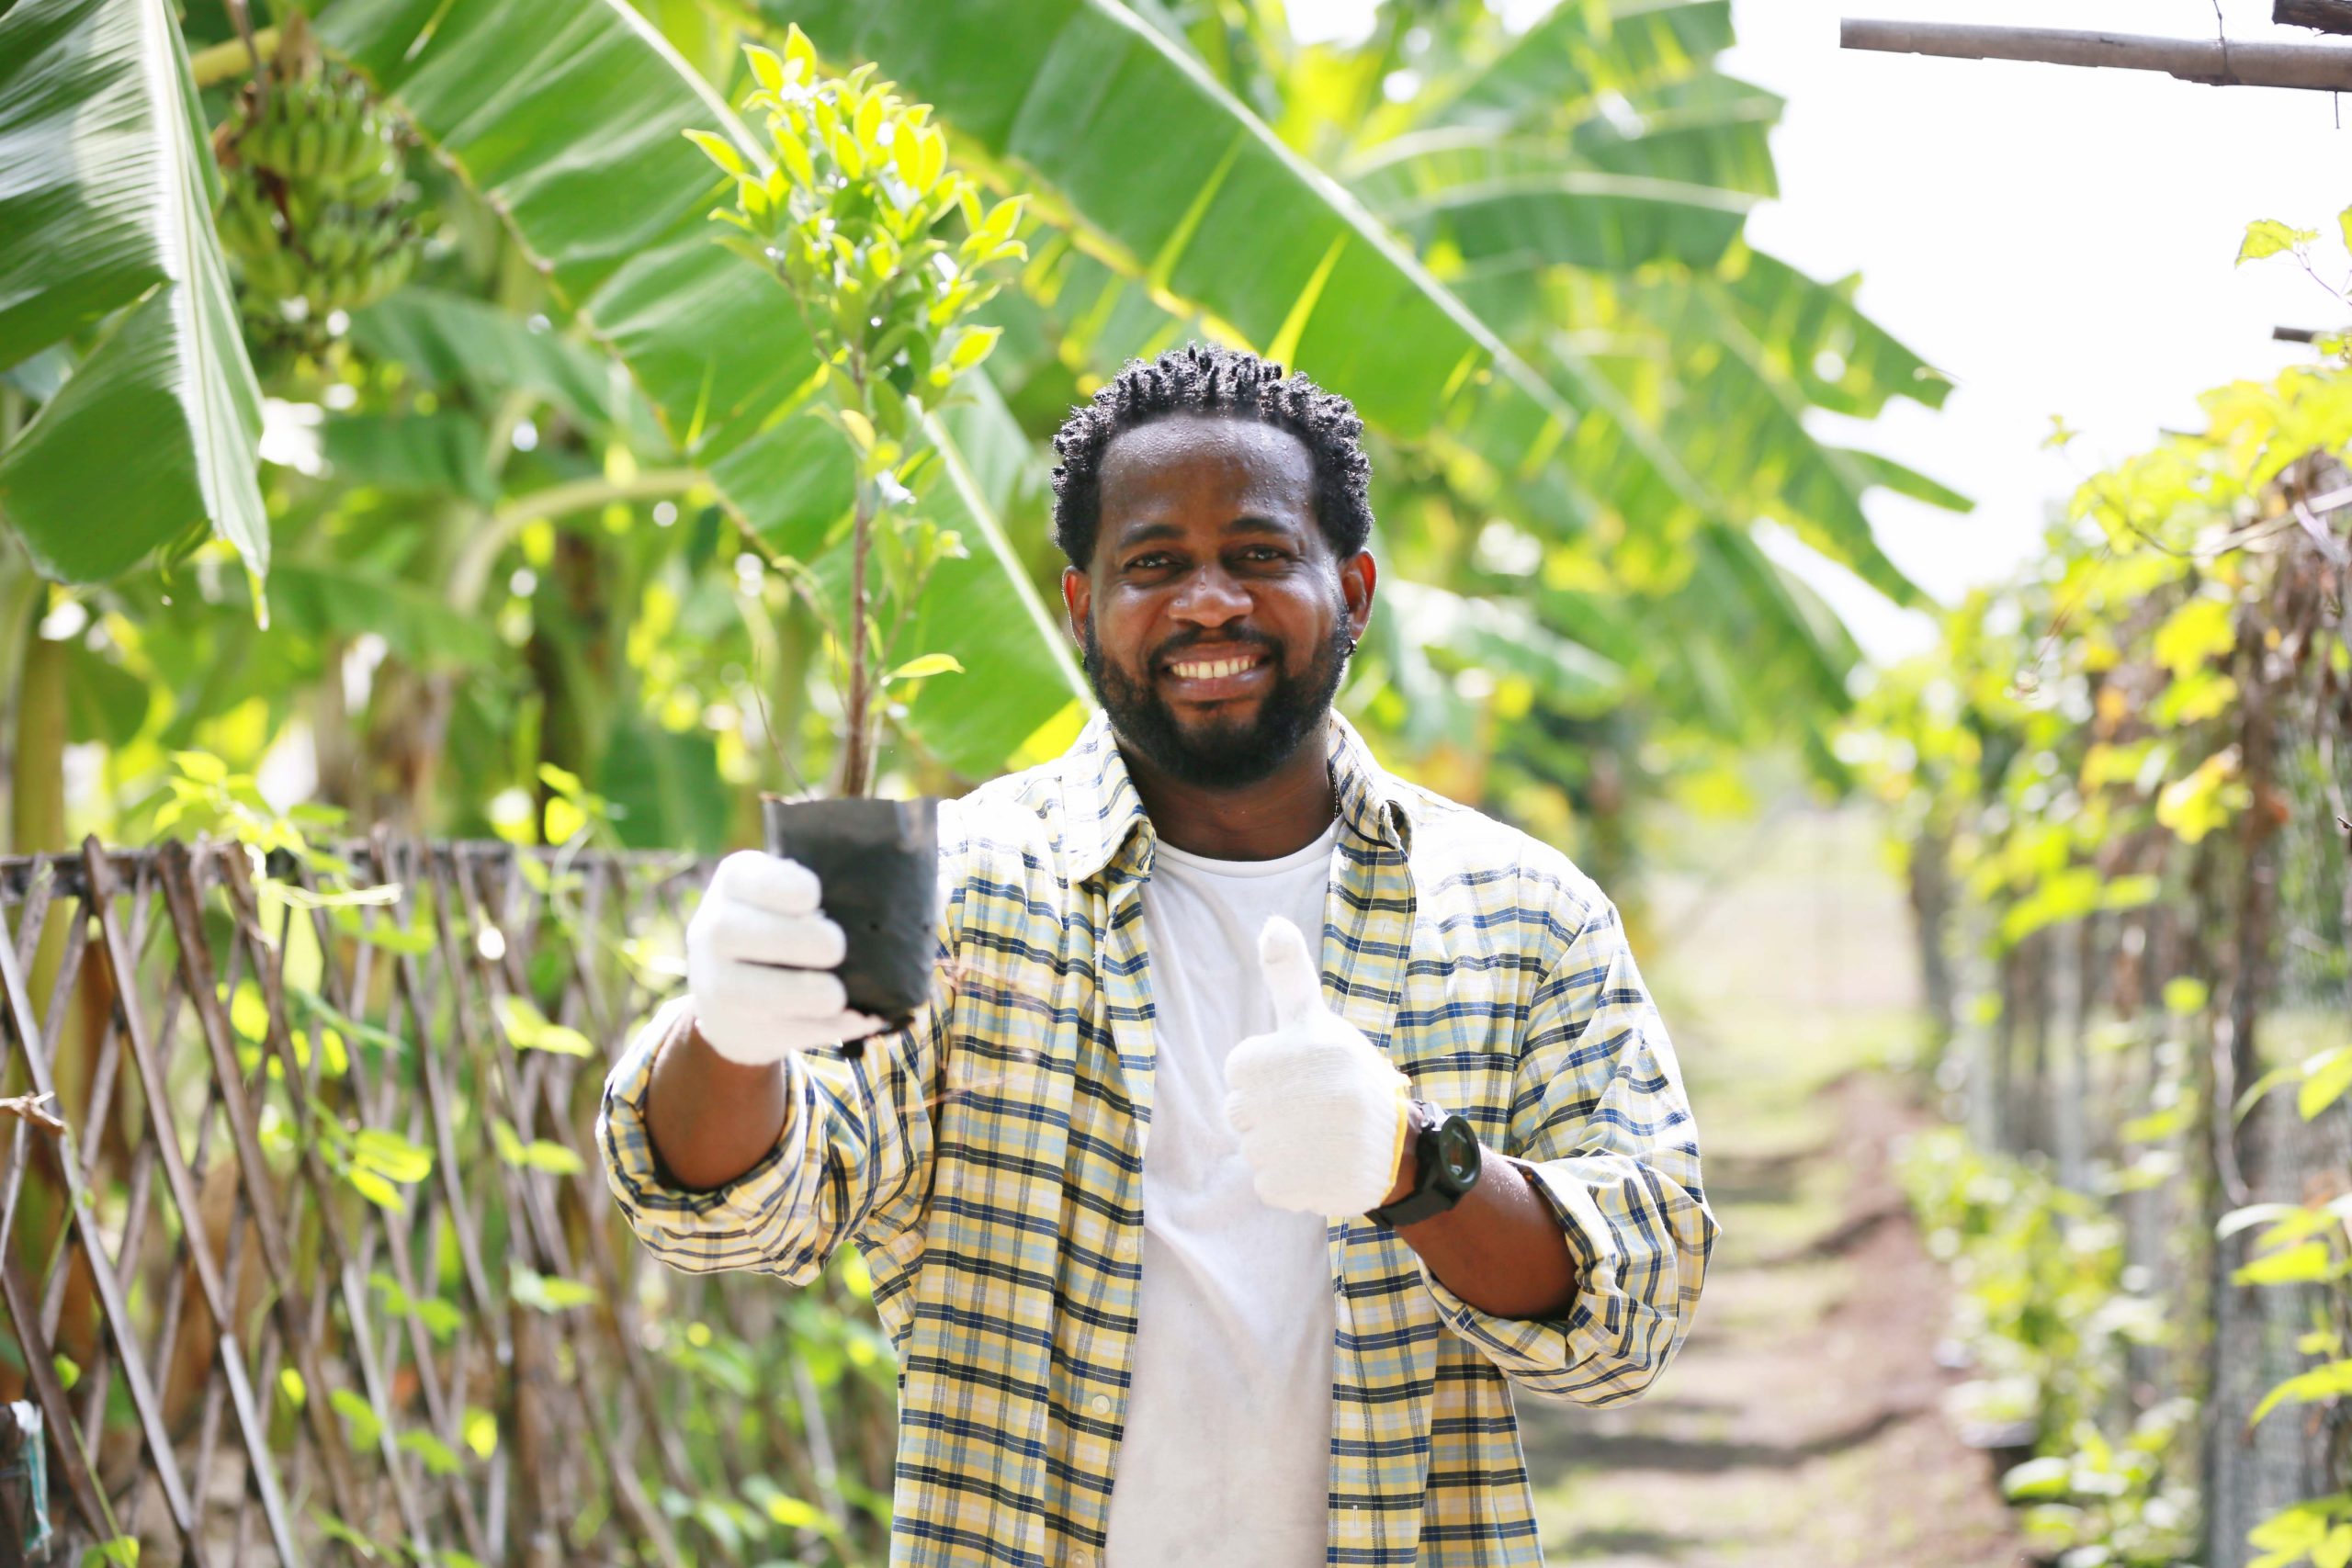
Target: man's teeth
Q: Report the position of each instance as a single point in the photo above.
(1211, 671)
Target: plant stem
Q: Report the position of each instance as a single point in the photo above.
(856, 764)
(218, 63)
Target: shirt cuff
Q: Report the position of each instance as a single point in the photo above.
(1542, 1348)
(748, 1206)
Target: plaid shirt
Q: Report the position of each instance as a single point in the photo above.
(988, 1162)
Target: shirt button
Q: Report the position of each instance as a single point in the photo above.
(1101, 1405)
(1080, 1558)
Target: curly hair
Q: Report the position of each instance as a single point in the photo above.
(1209, 379)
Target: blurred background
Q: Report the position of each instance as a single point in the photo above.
(1860, 505)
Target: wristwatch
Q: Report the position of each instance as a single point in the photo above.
(1445, 1163)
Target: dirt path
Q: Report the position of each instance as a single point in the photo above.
(1802, 1423)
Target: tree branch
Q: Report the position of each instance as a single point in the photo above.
(2317, 67)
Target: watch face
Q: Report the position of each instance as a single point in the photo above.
(1457, 1149)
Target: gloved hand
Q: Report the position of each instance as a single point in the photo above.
(1321, 1113)
(758, 952)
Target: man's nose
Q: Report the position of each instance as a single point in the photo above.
(1211, 597)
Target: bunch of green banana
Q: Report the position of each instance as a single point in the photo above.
(323, 129)
(311, 203)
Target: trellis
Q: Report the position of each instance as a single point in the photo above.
(317, 1261)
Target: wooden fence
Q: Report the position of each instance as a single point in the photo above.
(315, 1260)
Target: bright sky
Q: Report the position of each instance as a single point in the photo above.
(2059, 241)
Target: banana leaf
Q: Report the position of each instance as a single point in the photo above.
(1580, 50)
(106, 201)
(443, 340)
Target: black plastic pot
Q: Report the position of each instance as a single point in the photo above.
(878, 865)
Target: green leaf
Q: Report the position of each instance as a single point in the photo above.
(365, 1424)
(719, 151)
(2268, 237)
(548, 1292)
(443, 451)
(2327, 1076)
(372, 1186)
(545, 1153)
(442, 340)
(110, 216)
(105, 702)
(2333, 1380)
(528, 1030)
(438, 1456)
(414, 942)
(972, 345)
(2185, 997)
(2304, 1263)
(928, 664)
(324, 598)
(391, 1155)
(68, 1371)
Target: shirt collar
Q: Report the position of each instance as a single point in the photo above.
(1103, 821)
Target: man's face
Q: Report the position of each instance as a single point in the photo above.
(1208, 556)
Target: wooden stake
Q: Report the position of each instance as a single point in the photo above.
(2321, 68)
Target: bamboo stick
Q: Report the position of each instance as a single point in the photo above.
(2318, 67)
(2324, 16)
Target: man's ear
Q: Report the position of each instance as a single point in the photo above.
(1357, 575)
(1078, 599)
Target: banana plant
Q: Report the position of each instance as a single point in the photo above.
(116, 316)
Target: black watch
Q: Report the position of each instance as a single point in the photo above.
(1445, 1163)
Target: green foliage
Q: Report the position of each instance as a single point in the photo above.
(2046, 1318)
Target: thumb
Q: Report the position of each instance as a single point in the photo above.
(1291, 975)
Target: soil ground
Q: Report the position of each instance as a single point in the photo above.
(1802, 1424)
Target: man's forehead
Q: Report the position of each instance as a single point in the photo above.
(1193, 451)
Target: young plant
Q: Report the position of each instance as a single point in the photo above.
(886, 251)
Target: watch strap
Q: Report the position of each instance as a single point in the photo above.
(1433, 1192)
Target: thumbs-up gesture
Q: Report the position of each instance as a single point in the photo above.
(1320, 1112)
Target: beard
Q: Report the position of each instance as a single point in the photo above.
(1221, 750)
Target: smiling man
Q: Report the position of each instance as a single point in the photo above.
(1274, 1115)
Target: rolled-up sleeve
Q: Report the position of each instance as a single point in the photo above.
(851, 1163)
(1600, 1123)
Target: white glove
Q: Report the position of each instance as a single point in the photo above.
(1321, 1113)
(758, 952)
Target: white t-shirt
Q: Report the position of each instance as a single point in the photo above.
(1224, 1461)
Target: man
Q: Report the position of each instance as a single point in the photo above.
(1200, 1242)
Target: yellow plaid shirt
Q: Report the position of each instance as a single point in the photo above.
(988, 1162)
